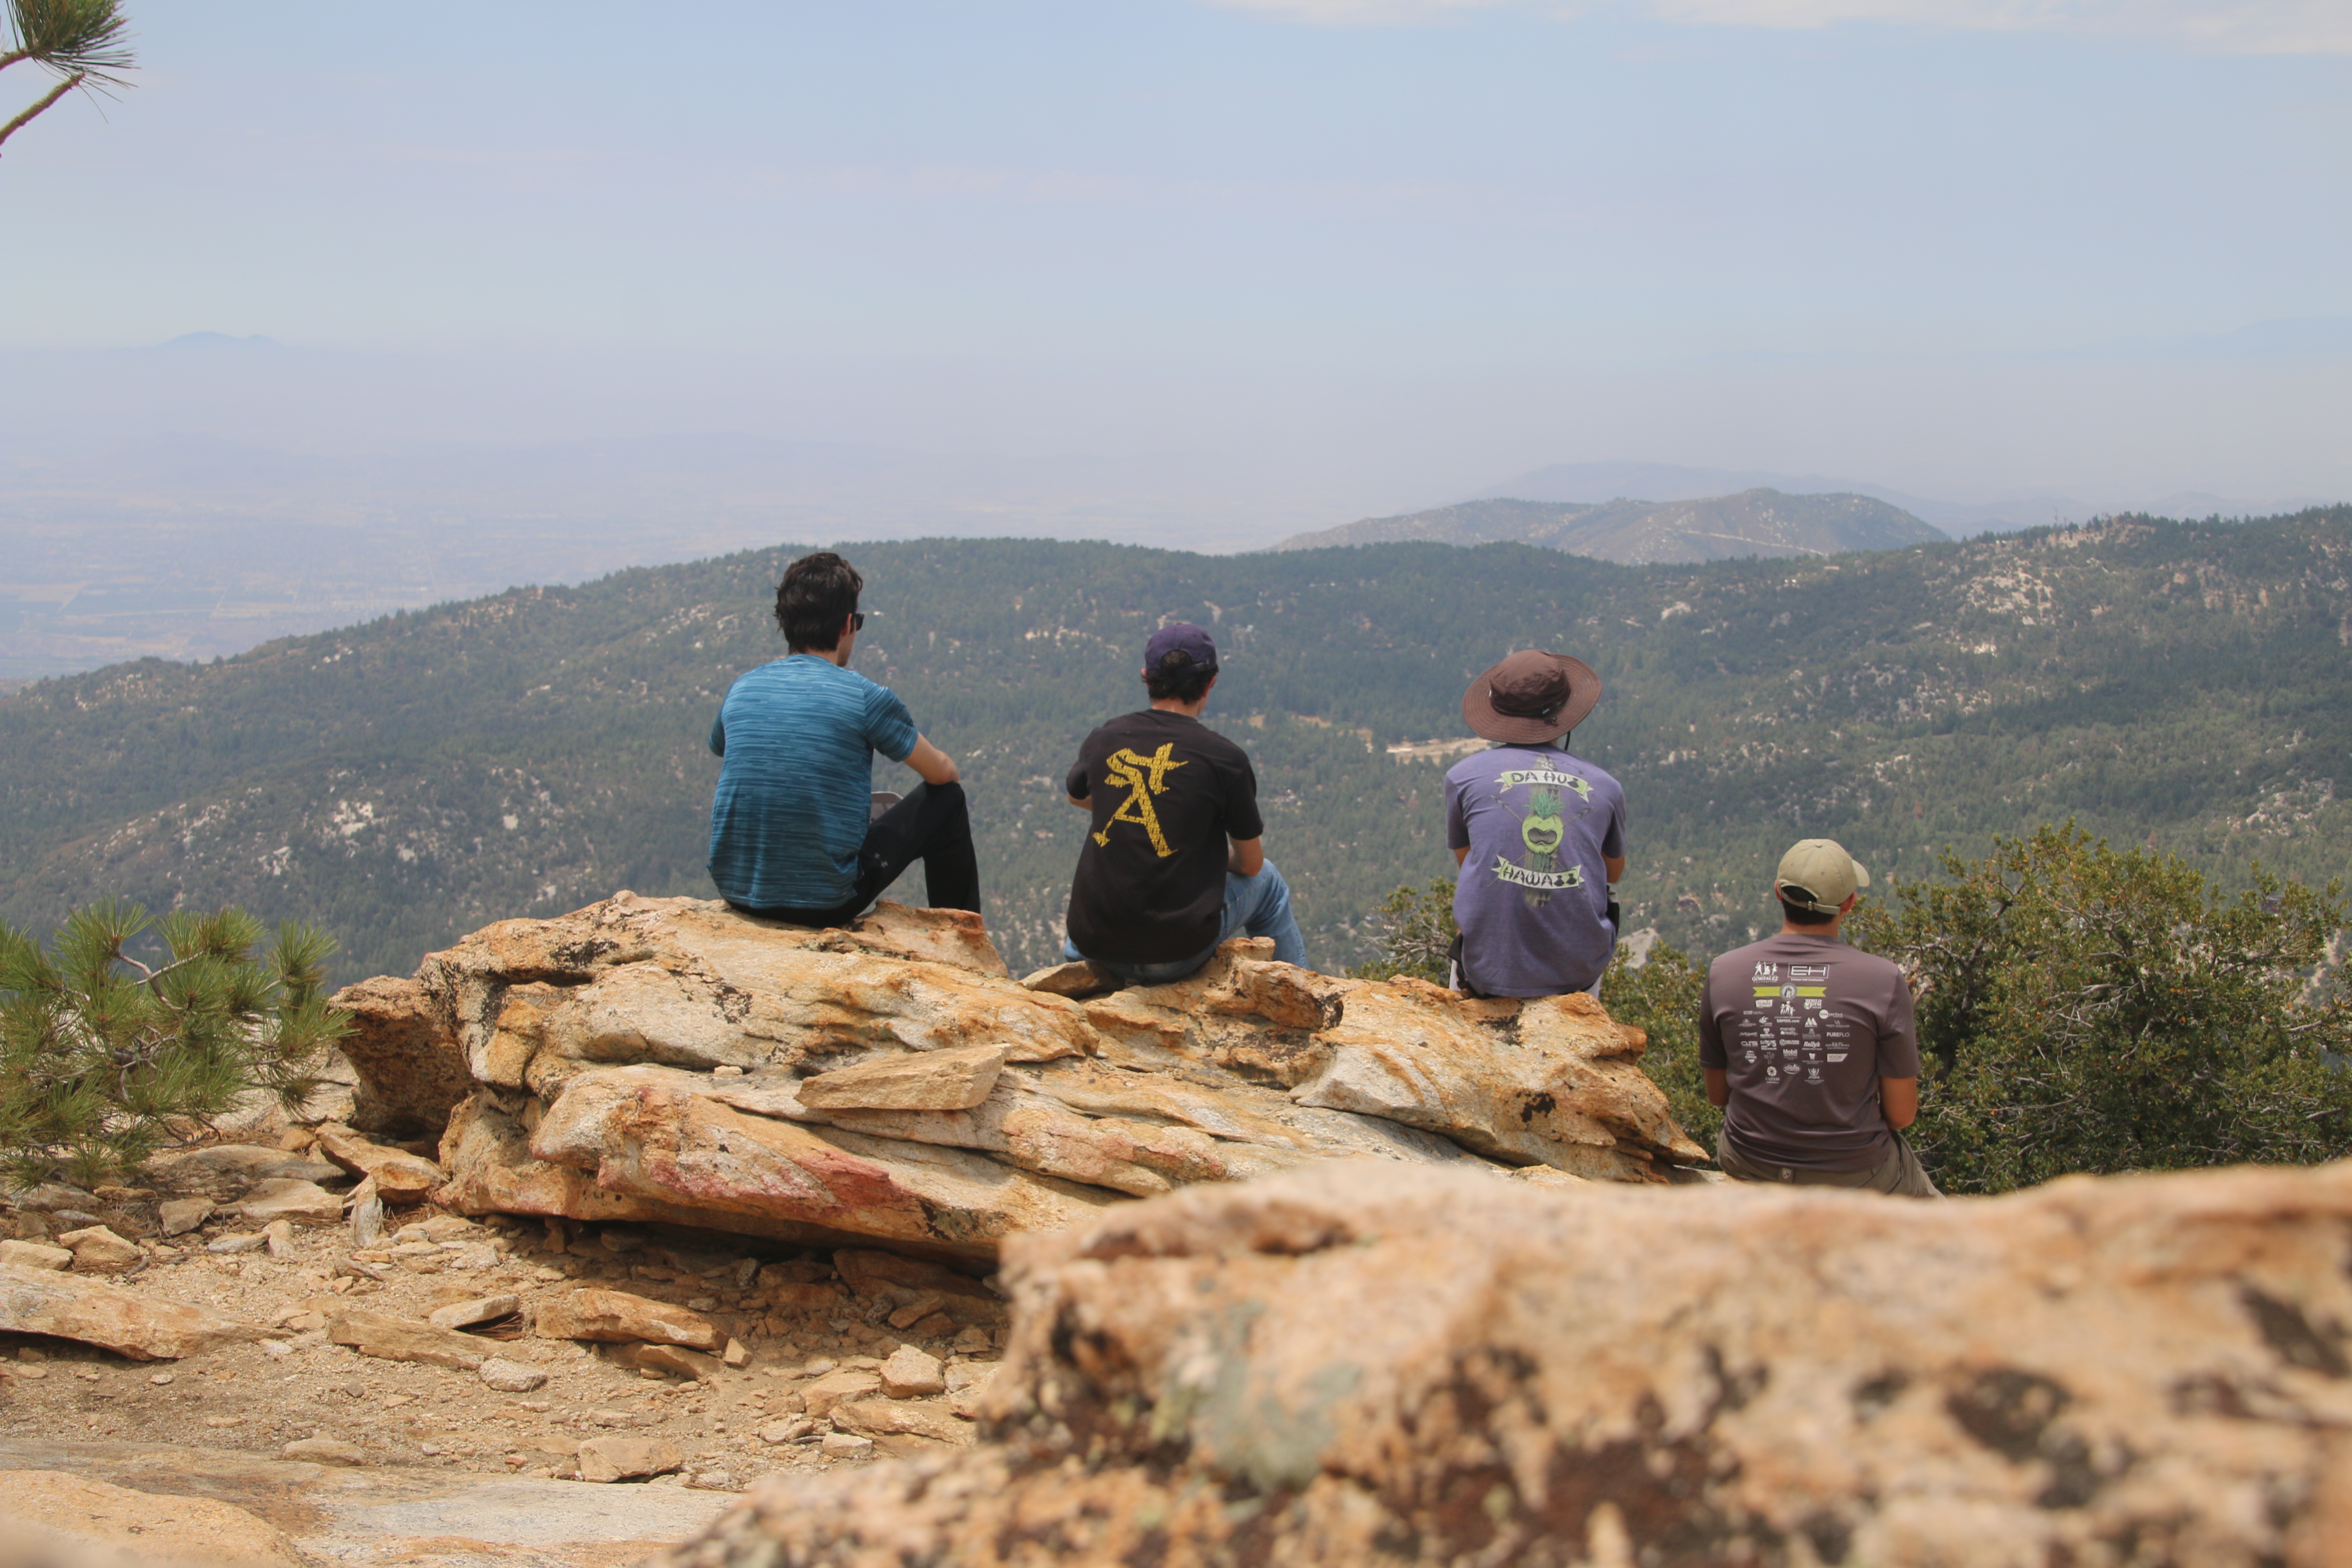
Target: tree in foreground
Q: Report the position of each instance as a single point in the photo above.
(2083, 1009)
(85, 43)
(104, 1060)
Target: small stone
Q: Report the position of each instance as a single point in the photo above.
(627, 1459)
(916, 1310)
(278, 1237)
(546, 1276)
(973, 1340)
(223, 1421)
(277, 1350)
(160, 1379)
(713, 1481)
(675, 1361)
(181, 1216)
(513, 1376)
(33, 1254)
(894, 1418)
(33, 1372)
(785, 1430)
(448, 1227)
(726, 1069)
(31, 1354)
(473, 1254)
(480, 1310)
(954, 1079)
(616, 1317)
(428, 1449)
(226, 1243)
(324, 1451)
(912, 1373)
(703, 1304)
(737, 1355)
(367, 1215)
(398, 1339)
(287, 1198)
(845, 1445)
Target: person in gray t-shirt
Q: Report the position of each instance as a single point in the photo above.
(1538, 834)
(1810, 1045)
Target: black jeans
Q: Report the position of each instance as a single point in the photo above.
(931, 824)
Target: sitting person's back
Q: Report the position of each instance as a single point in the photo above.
(1538, 834)
(1810, 1046)
(1175, 862)
(790, 834)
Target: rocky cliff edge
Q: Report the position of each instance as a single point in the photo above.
(675, 1060)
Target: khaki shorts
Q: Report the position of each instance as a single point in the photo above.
(1899, 1173)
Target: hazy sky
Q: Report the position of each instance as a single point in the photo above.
(1412, 246)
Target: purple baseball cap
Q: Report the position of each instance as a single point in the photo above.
(1180, 637)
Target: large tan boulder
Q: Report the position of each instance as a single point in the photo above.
(403, 1045)
(77, 1306)
(673, 1060)
(399, 1177)
(50, 1516)
(1378, 1365)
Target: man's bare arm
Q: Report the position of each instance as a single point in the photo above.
(1616, 865)
(1718, 1086)
(1247, 857)
(1461, 855)
(1081, 802)
(1900, 1098)
(935, 765)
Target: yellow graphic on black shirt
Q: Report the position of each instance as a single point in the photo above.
(1142, 777)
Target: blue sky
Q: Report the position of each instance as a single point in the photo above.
(1409, 244)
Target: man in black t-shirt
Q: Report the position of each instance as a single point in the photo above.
(1176, 862)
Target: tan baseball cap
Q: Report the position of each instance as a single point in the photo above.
(1819, 876)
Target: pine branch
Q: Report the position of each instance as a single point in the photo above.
(41, 104)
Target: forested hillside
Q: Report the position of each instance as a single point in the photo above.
(1641, 533)
(406, 781)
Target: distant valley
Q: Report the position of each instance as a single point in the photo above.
(1639, 533)
(2187, 685)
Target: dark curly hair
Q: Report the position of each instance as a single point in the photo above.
(819, 592)
(1178, 678)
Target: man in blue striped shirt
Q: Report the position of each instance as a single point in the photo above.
(790, 836)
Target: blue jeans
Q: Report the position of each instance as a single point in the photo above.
(1258, 905)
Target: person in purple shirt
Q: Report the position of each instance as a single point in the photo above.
(1538, 834)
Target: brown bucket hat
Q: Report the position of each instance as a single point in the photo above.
(1530, 697)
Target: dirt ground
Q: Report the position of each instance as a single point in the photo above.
(254, 1399)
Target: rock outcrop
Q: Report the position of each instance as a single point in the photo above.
(1386, 1365)
(674, 1060)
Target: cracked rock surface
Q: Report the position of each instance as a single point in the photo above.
(675, 1060)
(1390, 1366)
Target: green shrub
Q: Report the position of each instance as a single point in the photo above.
(105, 1059)
(2087, 1009)
(1660, 997)
(1412, 929)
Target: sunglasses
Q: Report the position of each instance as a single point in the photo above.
(857, 620)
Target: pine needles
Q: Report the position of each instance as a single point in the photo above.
(105, 1059)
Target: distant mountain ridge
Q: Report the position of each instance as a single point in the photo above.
(1757, 522)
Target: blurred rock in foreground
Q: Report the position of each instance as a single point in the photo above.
(1387, 1365)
